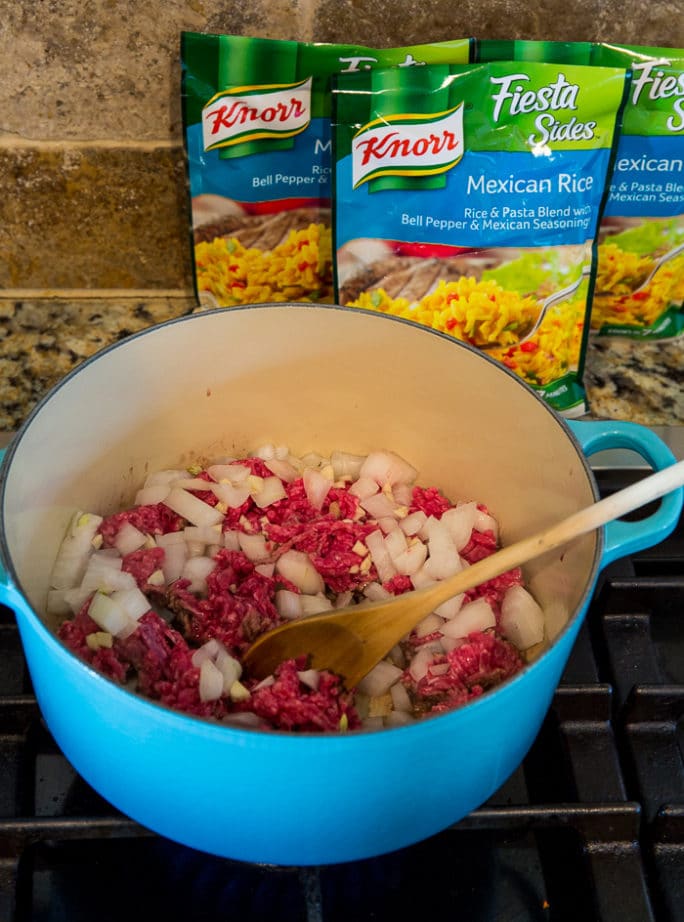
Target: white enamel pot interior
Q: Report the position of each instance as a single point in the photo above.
(317, 378)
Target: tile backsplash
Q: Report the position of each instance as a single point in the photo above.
(92, 177)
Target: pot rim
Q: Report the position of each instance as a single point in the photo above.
(187, 722)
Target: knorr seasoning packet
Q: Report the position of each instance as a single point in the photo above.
(640, 281)
(468, 199)
(257, 138)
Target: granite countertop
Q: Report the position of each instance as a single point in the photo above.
(42, 341)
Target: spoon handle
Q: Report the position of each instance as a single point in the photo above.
(579, 523)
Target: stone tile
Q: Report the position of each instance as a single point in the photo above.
(403, 22)
(41, 341)
(111, 69)
(94, 218)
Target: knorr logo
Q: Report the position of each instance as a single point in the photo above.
(408, 145)
(252, 113)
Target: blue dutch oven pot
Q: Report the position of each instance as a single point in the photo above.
(317, 378)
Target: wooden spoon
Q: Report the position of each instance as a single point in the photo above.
(352, 640)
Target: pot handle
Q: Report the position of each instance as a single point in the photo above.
(622, 537)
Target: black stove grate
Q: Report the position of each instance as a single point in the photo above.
(590, 827)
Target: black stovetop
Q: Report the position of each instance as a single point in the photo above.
(590, 827)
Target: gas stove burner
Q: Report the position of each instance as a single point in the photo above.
(590, 827)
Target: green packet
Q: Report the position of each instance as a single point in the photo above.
(643, 220)
(258, 151)
(467, 197)
(490, 49)
(642, 230)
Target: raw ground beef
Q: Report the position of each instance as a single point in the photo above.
(153, 520)
(291, 705)
(483, 661)
(237, 608)
(238, 604)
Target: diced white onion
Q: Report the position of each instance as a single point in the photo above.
(265, 683)
(486, 522)
(281, 452)
(376, 593)
(282, 469)
(402, 493)
(132, 601)
(107, 614)
(364, 487)
(233, 495)
(271, 491)
(233, 473)
(398, 718)
(74, 551)
(253, 546)
(104, 573)
(387, 467)
(429, 625)
(150, 496)
(314, 604)
(76, 597)
(266, 452)
(265, 569)
(195, 548)
(344, 599)
(451, 607)
(231, 540)
(202, 534)
(316, 487)
(288, 603)
(452, 643)
(473, 616)
(444, 560)
(378, 506)
(379, 680)
(196, 569)
(175, 556)
(313, 459)
(171, 537)
(193, 509)
(418, 666)
(395, 542)
(400, 697)
(298, 569)
(129, 539)
(165, 477)
(156, 578)
(413, 523)
(410, 561)
(387, 523)
(57, 603)
(375, 543)
(396, 656)
(310, 678)
(460, 522)
(346, 465)
(422, 578)
(208, 650)
(231, 669)
(191, 483)
(210, 681)
(522, 618)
